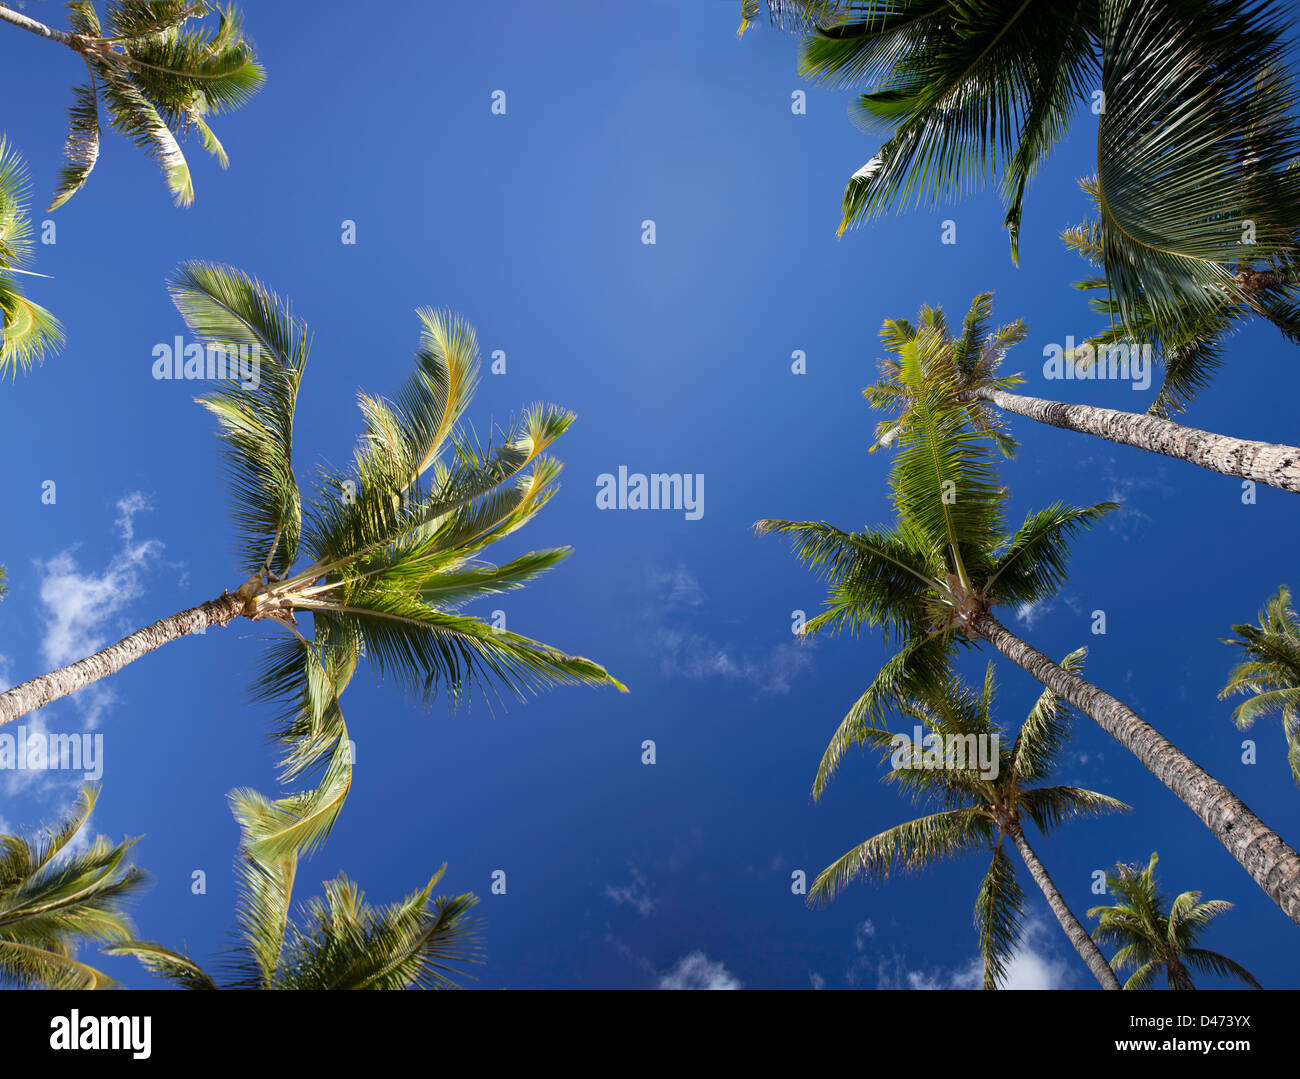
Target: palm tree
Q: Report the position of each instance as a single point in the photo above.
(930, 582)
(155, 78)
(1152, 935)
(27, 330)
(1270, 672)
(54, 895)
(981, 808)
(1195, 115)
(971, 366)
(1193, 349)
(342, 943)
(385, 553)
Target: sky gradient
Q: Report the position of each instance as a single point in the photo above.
(676, 358)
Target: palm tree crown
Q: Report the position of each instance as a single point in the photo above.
(27, 330)
(53, 895)
(1194, 108)
(981, 806)
(156, 79)
(383, 555)
(1270, 673)
(1155, 935)
(386, 552)
(340, 942)
(968, 362)
(949, 557)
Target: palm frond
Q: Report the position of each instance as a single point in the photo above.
(232, 312)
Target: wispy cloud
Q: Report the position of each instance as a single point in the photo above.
(1031, 613)
(1034, 966)
(863, 933)
(636, 895)
(684, 652)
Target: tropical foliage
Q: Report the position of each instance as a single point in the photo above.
(339, 942)
(970, 367)
(383, 555)
(155, 74)
(930, 581)
(983, 805)
(1193, 155)
(57, 892)
(28, 331)
(1270, 673)
(1154, 935)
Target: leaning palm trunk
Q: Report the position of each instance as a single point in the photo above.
(38, 28)
(39, 692)
(1265, 856)
(1079, 937)
(1263, 462)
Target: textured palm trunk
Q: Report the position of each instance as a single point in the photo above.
(10, 16)
(1179, 977)
(1273, 864)
(50, 687)
(1263, 462)
(1079, 937)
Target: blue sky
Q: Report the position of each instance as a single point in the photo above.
(677, 358)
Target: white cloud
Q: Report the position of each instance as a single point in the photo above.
(818, 982)
(80, 606)
(1034, 966)
(1030, 613)
(697, 971)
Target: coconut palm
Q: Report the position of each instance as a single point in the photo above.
(1192, 350)
(971, 364)
(54, 895)
(342, 942)
(1154, 935)
(1270, 673)
(157, 79)
(982, 807)
(27, 330)
(385, 553)
(1194, 108)
(930, 582)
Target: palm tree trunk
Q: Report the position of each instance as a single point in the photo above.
(39, 692)
(1079, 937)
(1264, 462)
(39, 28)
(1274, 866)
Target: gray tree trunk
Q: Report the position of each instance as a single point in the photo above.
(39, 692)
(1273, 864)
(1265, 462)
(8, 15)
(1079, 937)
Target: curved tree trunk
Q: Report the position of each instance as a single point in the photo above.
(39, 28)
(1079, 937)
(39, 692)
(1264, 462)
(1273, 864)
